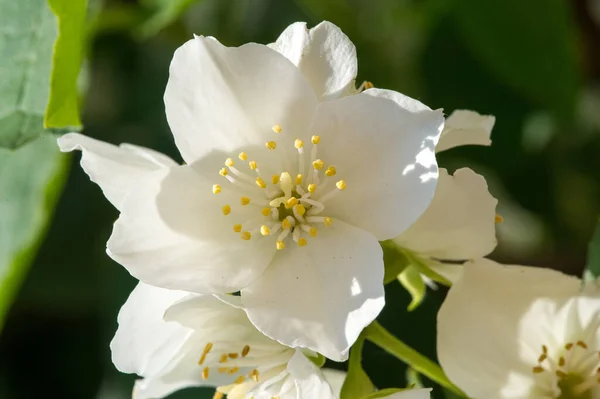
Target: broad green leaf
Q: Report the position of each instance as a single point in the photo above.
(357, 383)
(529, 44)
(63, 105)
(31, 179)
(164, 13)
(27, 33)
(592, 268)
(411, 279)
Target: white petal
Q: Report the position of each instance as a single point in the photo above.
(173, 234)
(324, 55)
(478, 326)
(335, 378)
(226, 98)
(322, 295)
(464, 127)
(460, 222)
(410, 394)
(114, 169)
(382, 144)
(310, 382)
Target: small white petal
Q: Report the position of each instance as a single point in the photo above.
(115, 169)
(310, 381)
(424, 393)
(322, 295)
(335, 378)
(460, 222)
(324, 55)
(464, 127)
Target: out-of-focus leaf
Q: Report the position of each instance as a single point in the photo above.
(27, 32)
(530, 45)
(592, 268)
(413, 378)
(164, 12)
(63, 107)
(411, 279)
(357, 383)
(31, 179)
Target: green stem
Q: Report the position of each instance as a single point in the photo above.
(392, 345)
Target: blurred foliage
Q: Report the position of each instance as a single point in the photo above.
(592, 270)
(532, 64)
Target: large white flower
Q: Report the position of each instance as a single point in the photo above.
(516, 332)
(283, 197)
(175, 340)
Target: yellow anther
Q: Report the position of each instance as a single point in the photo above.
(233, 370)
(327, 221)
(312, 232)
(315, 139)
(275, 179)
(245, 350)
(561, 374)
(312, 188)
(254, 375)
(298, 143)
(240, 380)
(289, 204)
(302, 242)
(207, 349)
(561, 361)
(318, 164)
(330, 171)
(299, 179)
(582, 344)
(252, 165)
(205, 373)
(232, 355)
(216, 189)
(538, 369)
(237, 228)
(368, 85)
(341, 185)
(300, 209)
(280, 245)
(223, 172)
(226, 210)
(260, 182)
(218, 395)
(229, 162)
(243, 156)
(244, 200)
(246, 235)
(276, 128)
(498, 219)
(271, 145)
(264, 230)
(266, 211)
(285, 224)
(223, 358)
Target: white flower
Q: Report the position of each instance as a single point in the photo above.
(204, 341)
(521, 333)
(283, 197)
(465, 127)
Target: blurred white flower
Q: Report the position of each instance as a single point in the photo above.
(283, 197)
(508, 332)
(175, 340)
(465, 127)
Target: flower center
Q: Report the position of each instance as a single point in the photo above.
(287, 205)
(576, 372)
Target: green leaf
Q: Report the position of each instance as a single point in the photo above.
(411, 279)
(384, 392)
(31, 179)
(318, 360)
(27, 32)
(592, 268)
(357, 383)
(394, 260)
(63, 105)
(413, 378)
(530, 45)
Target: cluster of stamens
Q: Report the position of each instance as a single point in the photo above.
(575, 373)
(287, 204)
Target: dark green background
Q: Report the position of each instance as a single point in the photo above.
(534, 64)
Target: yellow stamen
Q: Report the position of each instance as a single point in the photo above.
(244, 201)
(237, 228)
(207, 349)
(245, 350)
(538, 369)
(216, 189)
(312, 232)
(341, 185)
(300, 209)
(254, 375)
(205, 373)
(243, 156)
(368, 85)
(330, 171)
(229, 162)
(264, 230)
(233, 370)
(226, 210)
(289, 204)
(299, 179)
(315, 139)
(240, 380)
(582, 344)
(271, 145)
(222, 370)
(498, 219)
(266, 211)
(302, 242)
(260, 182)
(246, 235)
(276, 128)
(223, 358)
(298, 143)
(280, 245)
(223, 172)
(327, 221)
(218, 395)
(318, 164)
(252, 165)
(312, 188)
(232, 355)
(285, 224)
(275, 179)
